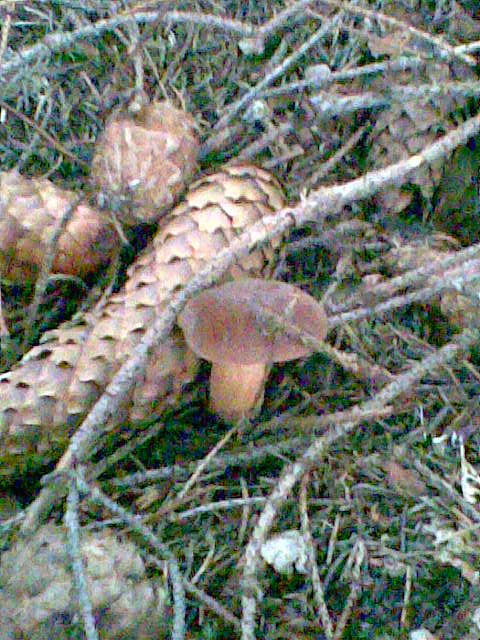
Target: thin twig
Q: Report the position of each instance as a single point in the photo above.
(328, 104)
(358, 556)
(443, 49)
(285, 17)
(47, 264)
(316, 206)
(470, 47)
(416, 277)
(203, 464)
(403, 63)
(318, 592)
(312, 456)
(327, 167)
(235, 108)
(204, 599)
(80, 582)
(43, 134)
(7, 21)
(422, 295)
(233, 503)
(63, 40)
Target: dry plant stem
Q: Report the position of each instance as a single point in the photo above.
(165, 509)
(248, 456)
(124, 450)
(359, 552)
(422, 295)
(318, 592)
(71, 522)
(134, 52)
(212, 604)
(470, 47)
(327, 167)
(346, 75)
(43, 134)
(140, 478)
(278, 72)
(443, 487)
(259, 144)
(34, 140)
(14, 521)
(206, 600)
(7, 21)
(351, 362)
(417, 276)
(204, 463)
(178, 631)
(316, 206)
(406, 597)
(444, 50)
(333, 540)
(313, 455)
(234, 134)
(329, 237)
(283, 17)
(3, 325)
(42, 280)
(329, 105)
(63, 40)
(233, 503)
(242, 529)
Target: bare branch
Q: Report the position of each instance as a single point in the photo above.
(293, 472)
(316, 206)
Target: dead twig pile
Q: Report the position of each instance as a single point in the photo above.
(348, 507)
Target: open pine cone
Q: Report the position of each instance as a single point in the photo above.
(37, 597)
(146, 160)
(31, 209)
(149, 159)
(46, 395)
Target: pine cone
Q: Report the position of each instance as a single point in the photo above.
(37, 598)
(31, 209)
(146, 160)
(57, 382)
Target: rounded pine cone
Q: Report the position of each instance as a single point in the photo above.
(31, 209)
(146, 160)
(38, 600)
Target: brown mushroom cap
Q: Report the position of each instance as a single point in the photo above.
(222, 323)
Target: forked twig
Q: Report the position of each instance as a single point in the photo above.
(312, 456)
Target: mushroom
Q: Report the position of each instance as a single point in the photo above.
(224, 325)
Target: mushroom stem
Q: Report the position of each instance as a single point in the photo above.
(237, 390)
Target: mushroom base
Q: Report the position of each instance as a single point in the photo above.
(236, 391)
